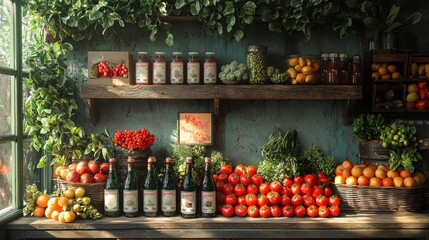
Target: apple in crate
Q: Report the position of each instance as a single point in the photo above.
(72, 166)
(93, 166)
(86, 178)
(99, 177)
(73, 176)
(104, 168)
(82, 167)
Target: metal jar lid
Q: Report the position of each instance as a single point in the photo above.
(356, 59)
(257, 48)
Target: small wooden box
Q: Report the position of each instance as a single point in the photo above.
(388, 102)
(113, 58)
(400, 60)
(417, 63)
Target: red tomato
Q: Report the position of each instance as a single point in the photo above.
(228, 188)
(265, 211)
(222, 178)
(240, 210)
(296, 189)
(231, 199)
(241, 200)
(324, 181)
(226, 169)
(257, 180)
(251, 199)
(245, 180)
(317, 191)
(312, 211)
(321, 200)
(334, 211)
(220, 198)
(276, 211)
(234, 179)
(274, 198)
(323, 211)
(262, 200)
(252, 188)
(334, 200)
(286, 191)
(327, 191)
(306, 189)
(310, 179)
(215, 176)
(285, 200)
(297, 200)
(276, 186)
(239, 190)
(227, 210)
(308, 200)
(298, 180)
(264, 188)
(240, 169)
(300, 211)
(288, 211)
(251, 170)
(253, 211)
(287, 182)
(339, 170)
(321, 175)
(219, 186)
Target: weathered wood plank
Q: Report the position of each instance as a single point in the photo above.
(243, 92)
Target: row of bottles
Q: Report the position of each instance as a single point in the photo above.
(131, 200)
(340, 69)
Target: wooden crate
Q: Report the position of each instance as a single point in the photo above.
(400, 60)
(378, 97)
(113, 58)
(418, 61)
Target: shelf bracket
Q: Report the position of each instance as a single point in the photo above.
(93, 110)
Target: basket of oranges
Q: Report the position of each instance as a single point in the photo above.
(367, 188)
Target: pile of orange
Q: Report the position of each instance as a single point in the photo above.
(381, 175)
(384, 71)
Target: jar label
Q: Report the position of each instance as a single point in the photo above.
(176, 72)
(111, 200)
(208, 202)
(168, 200)
(150, 200)
(193, 72)
(131, 201)
(210, 72)
(188, 202)
(159, 72)
(142, 72)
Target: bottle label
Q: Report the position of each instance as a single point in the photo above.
(193, 72)
(111, 200)
(159, 72)
(188, 202)
(208, 202)
(176, 72)
(210, 72)
(150, 200)
(168, 200)
(131, 201)
(142, 72)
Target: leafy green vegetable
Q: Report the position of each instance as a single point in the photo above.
(272, 171)
(368, 126)
(317, 161)
(404, 157)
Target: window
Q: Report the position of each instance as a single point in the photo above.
(11, 148)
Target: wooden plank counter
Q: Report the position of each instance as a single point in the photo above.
(348, 225)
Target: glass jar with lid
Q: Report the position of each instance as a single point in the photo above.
(256, 63)
(159, 68)
(345, 69)
(210, 68)
(193, 68)
(333, 69)
(324, 61)
(177, 68)
(356, 70)
(143, 69)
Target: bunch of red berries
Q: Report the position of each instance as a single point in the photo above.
(138, 139)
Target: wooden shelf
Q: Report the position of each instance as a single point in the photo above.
(93, 93)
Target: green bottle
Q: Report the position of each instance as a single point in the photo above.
(151, 190)
(208, 192)
(131, 191)
(169, 190)
(112, 193)
(188, 192)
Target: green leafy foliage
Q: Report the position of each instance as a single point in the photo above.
(368, 126)
(316, 161)
(404, 157)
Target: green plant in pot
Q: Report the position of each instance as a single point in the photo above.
(391, 25)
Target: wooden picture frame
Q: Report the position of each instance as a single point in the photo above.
(195, 128)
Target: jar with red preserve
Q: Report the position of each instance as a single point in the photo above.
(159, 68)
(210, 68)
(177, 68)
(333, 69)
(142, 69)
(193, 69)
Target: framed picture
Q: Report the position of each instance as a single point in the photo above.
(195, 129)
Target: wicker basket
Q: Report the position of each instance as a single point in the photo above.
(95, 191)
(379, 199)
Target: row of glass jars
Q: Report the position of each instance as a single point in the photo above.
(340, 69)
(155, 71)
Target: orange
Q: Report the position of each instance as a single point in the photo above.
(69, 216)
(61, 217)
(368, 172)
(346, 173)
(384, 167)
(300, 77)
(339, 170)
(293, 61)
(39, 211)
(375, 67)
(385, 77)
(392, 174)
(48, 212)
(375, 182)
(53, 202)
(396, 75)
(63, 201)
(383, 71)
(55, 214)
(409, 182)
(339, 180)
(357, 171)
(363, 181)
(380, 173)
(376, 75)
(387, 182)
(69, 193)
(347, 165)
(352, 180)
(42, 200)
(392, 68)
(292, 72)
(307, 70)
(298, 68)
(404, 174)
(398, 182)
(58, 170)
(420, 178)
(301, 61)
(315, 66)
